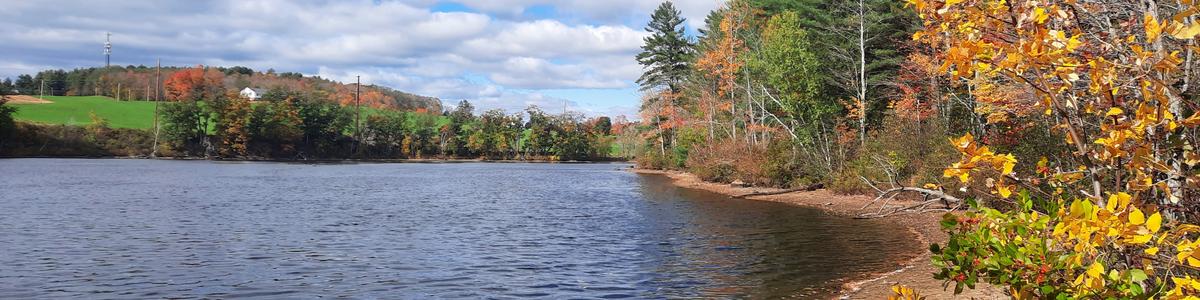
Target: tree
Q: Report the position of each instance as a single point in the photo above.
(53, 82)
(6, 87)
(665, 53)
(233, 116)
(7, 125)
(792, 67)
(1103, 224)
(602, 125)
(386, 133)
(25, 85)
(185, 124)
(541, 130)
(865, 57)
(274, 128)
(324, 125)
(195, 84)
(461, 120)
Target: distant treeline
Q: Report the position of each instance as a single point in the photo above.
(138, 83)
(204, 119)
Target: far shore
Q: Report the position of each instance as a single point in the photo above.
(914, 269)
(338, 160)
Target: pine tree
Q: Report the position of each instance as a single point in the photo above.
(666, 51)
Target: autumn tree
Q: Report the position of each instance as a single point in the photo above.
(194, 84)
(1099, 218)
(274, 128)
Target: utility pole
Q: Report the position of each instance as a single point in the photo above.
(118, 91)
(357, 109)
(157, 82)
(42, 90)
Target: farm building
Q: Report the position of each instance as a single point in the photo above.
(252, 93)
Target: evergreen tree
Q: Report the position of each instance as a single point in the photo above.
(26, 85)
(666, 51)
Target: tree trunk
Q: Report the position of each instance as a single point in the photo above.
(1175, 106)
(862, 74)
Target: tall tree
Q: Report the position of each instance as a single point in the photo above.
(793, 69)
(666, 52)
(26, 85)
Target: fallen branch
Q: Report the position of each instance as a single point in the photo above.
(886, 195)
(809, 188)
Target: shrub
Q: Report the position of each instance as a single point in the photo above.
(915, 152)
(63, 140)
(715, 161)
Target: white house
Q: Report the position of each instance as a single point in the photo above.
(252, 94)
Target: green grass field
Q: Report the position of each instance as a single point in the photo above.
(76, 110)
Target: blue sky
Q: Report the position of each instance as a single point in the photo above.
(495, 53)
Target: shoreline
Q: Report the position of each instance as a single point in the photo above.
(332, 160)
(913, 269)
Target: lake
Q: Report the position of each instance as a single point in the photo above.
(114, 228)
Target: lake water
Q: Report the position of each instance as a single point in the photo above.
(181, 229)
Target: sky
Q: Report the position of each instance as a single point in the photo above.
(494, 53)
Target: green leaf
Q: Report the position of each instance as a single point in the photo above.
(1138, 275)
(949, 221)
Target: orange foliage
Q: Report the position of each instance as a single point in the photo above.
(722, 62)
(194, 84)
(369, 97)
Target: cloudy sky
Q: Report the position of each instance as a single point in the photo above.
(495, 53)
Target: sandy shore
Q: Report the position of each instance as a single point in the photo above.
(913, 269)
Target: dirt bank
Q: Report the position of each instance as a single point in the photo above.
(22, 99)
(913, 269)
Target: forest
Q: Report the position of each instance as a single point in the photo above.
(202, 114)
(1060, 135)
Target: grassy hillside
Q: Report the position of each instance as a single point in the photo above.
(76, 110)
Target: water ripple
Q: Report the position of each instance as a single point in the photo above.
(194, 229)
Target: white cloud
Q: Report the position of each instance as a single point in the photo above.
(500, 55)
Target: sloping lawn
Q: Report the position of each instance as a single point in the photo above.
(76, 110)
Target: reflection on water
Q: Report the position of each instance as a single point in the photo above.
(192, 229)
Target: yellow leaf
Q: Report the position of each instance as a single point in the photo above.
(1118, 201)
(1152, 250)
(1136, 217)
(1003, 190)
(1115, 111)
(1141, 238)
(1193, 262)
(1095, 270)
(1154, 222)
(1153, 29)
(1187, 32)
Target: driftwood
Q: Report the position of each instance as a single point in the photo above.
(885, 196)
(809, 188)
(931, 197)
